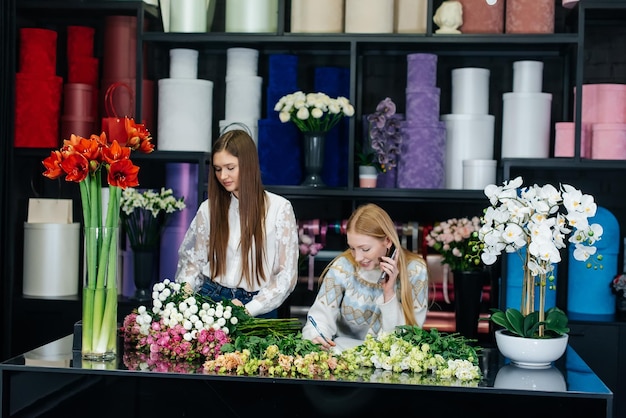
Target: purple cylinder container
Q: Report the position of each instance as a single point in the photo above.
(422, 157)
(422, 106)
(421, 71)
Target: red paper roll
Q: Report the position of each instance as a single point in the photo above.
(37, 109)
(83, 70)
(120, 48)
(79, 42)
(38, 51)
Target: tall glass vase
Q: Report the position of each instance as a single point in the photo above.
(313, 152)
(99, 316)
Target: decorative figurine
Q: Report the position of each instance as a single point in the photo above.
(449, 17)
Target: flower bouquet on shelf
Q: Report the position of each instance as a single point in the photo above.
(313, 112)
(530, 221)
(385, 137)
(86, 161)
(457, 241)
(145, 213)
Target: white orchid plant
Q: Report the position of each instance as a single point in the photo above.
(313, 112)
(530, 219)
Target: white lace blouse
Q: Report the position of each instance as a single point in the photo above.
(281, 252)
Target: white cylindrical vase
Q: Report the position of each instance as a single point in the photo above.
(470, 91)
(185, 115)
(369, 16)
(51, 255)
(183, 63)
(252, 16)
(317, 16)
(526, 125)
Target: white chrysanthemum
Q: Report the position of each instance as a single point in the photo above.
(234, 320)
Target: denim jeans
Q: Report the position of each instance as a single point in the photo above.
(218, 293)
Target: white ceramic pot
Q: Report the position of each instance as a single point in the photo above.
(531, 352)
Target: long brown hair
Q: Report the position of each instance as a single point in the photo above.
(373, 221)
(252, 208)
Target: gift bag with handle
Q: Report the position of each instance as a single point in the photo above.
(113, 122)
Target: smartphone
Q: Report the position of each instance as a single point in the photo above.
(383, 276)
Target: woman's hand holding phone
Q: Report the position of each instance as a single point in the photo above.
(384, 277)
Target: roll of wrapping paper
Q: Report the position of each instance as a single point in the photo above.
(182, 178)
(312, 228)
(185, 115)
(251, 16)
(317, 16)
(120, 48)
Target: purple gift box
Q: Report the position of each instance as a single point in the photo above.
(422, 157)
(422, 106)
(421, 71)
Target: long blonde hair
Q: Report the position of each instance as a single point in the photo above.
(373, 221)
(252, 208)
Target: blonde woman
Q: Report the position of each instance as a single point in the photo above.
(353, 300)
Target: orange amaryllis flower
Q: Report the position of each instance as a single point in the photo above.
(76, 167)
(138, 136)
(82, 160)
(91, 150)
(123, 174)
(53, 165)
(115, 153)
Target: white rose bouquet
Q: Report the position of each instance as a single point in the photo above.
(313, 112)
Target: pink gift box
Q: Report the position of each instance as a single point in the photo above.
(604, 103)
(564, 140)
(608, 141)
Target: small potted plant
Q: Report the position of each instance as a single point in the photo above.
(382, 148)
(529, 221)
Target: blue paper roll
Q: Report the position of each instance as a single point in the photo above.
(283, 72)
(589, 289)
(279, 153)
(335, 82)
(515, 278)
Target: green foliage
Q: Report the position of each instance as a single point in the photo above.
(451, 346)
(555, 323)
(289, 345)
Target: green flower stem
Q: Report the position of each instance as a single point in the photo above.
(100, 289)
